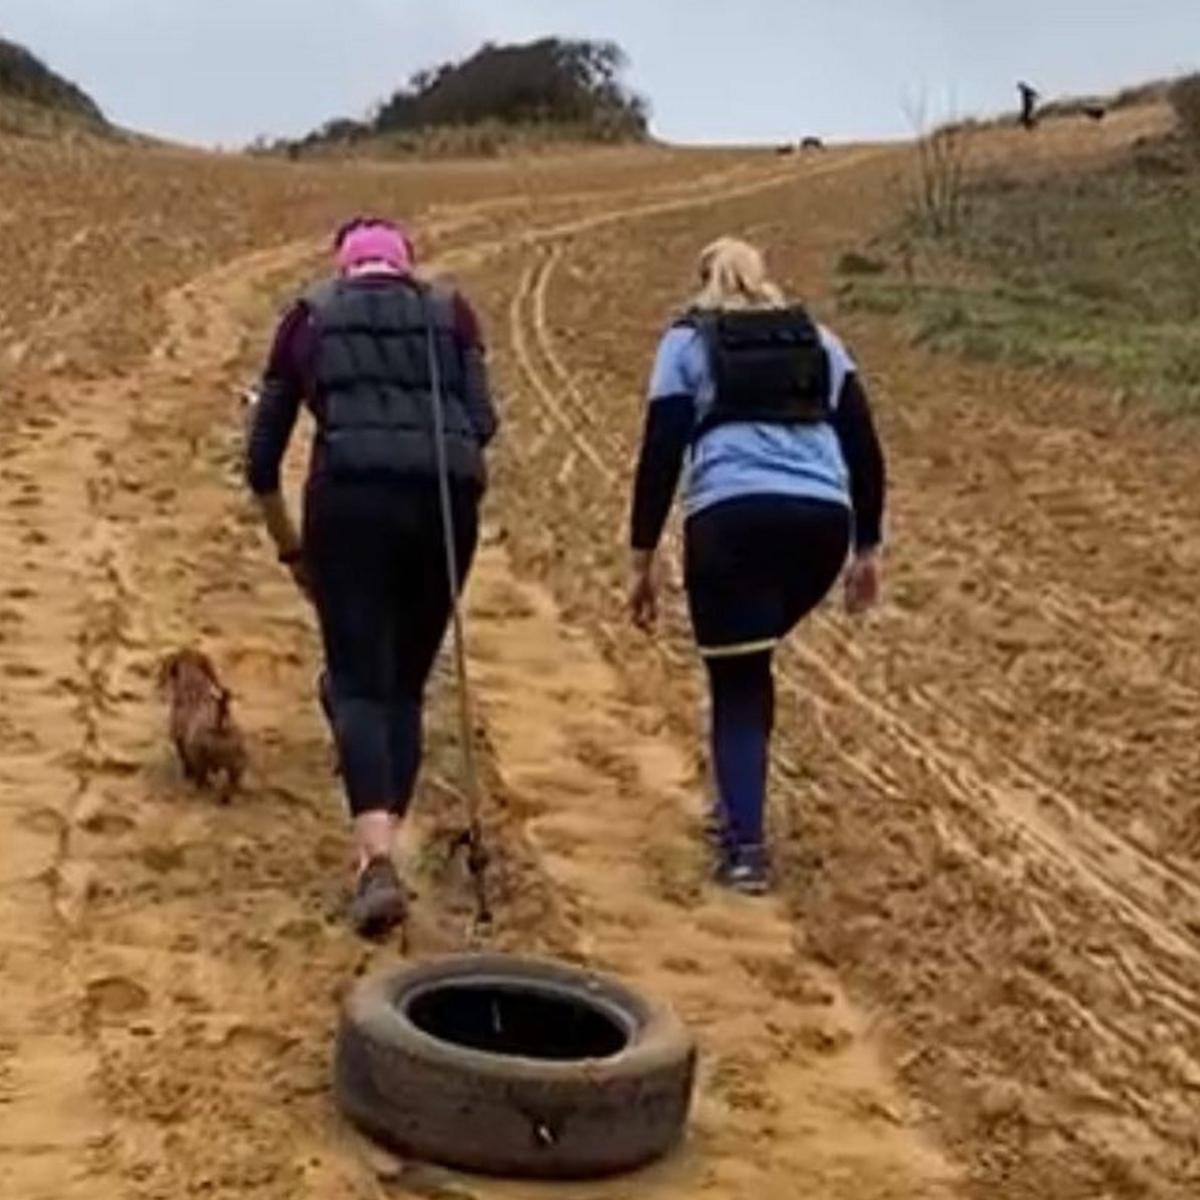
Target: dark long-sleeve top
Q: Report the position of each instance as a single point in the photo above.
(840, 461)
(287, 384)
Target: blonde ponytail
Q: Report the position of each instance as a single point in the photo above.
(733, 275)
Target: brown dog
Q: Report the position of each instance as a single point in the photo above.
(206, 738)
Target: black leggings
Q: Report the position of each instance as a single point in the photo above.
(755, 567)
(377, 560)
(758, 564)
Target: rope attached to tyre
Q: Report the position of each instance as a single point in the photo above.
(471, 839)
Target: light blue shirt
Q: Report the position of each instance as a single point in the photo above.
(751, 458)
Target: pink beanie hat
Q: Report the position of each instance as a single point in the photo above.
(375, 241)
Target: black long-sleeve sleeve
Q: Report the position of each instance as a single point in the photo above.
(477, 395)
(477, 390)
(670, 421)
(281, 394)
(856, 434)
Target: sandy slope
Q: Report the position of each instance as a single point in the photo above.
(990, 797)
(984, 796)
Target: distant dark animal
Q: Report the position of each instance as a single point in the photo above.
(1097, 112)
(812, 143)
(1029, 99)
(207, 740)
(786, 148)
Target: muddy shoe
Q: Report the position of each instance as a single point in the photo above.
(380, 902)
(745, 869)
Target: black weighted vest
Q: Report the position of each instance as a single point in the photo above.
(373, 372)
(768, 365)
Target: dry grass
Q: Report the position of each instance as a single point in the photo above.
(1184, 96)
(487, 139)
(105, 228)
(23, 118)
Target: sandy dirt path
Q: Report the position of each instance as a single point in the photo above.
(794, 1099)
(172, 970)
(985, 806)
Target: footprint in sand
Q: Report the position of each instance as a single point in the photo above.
(113, 999)
(823, 1038)
(99, 815)
(44, 821)
(678, 965)
(738, 1081)
(162, 860)
(676, 874)
(787, 980)
(20, 670)
(257, 1046)
(301, 930)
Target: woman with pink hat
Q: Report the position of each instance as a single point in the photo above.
(371, 352)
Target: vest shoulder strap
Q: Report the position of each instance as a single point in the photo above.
(693, 318)
(320, 295)
(709, 321)
(440, 299)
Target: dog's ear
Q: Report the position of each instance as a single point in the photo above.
(167, 670)
(205, 665)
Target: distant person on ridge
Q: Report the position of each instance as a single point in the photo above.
(784, 476)
(1029, 99)
(372, 557)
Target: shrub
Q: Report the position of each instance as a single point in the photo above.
(548, 85)
(1185, 100)
(27, 79)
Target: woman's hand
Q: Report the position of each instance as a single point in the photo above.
(863, 582)
(286, 539)
(301, 579)
(643, 591)
(293, 559)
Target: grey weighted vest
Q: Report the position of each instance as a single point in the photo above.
(373, 372)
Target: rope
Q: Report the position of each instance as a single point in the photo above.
(477, 855)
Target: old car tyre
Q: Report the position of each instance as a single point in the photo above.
(512, 1066)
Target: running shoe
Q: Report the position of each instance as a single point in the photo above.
(380, 902)
(745, 869)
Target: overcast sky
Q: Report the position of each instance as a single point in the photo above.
(223, 71)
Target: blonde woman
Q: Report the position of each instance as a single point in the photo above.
(784, 483)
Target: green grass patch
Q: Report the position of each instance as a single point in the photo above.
(1096, 272)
